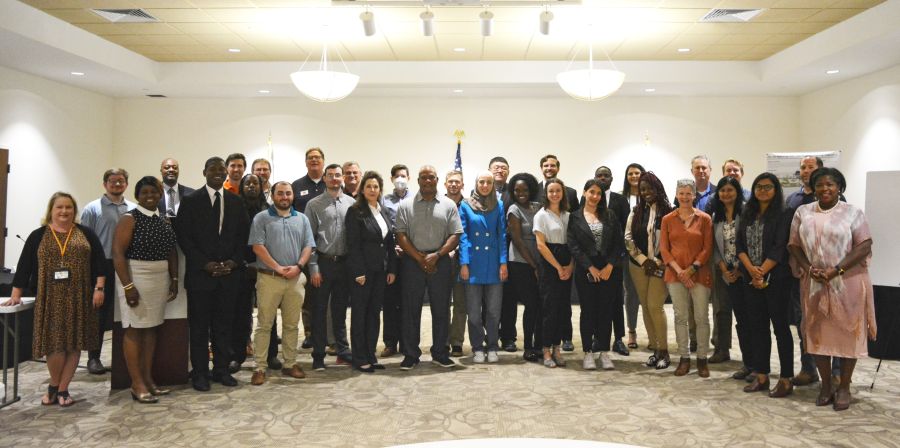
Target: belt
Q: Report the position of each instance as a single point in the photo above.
(269, 272)
(331, 258)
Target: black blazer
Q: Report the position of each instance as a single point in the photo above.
(581, 241)
(619, 205)
(367, 251)
(776, 233)
(197, 229)
(27, 269)
(182, 192)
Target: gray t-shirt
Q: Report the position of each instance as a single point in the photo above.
(284, 237)
(551, 226)
(526, 219)
(428, 224)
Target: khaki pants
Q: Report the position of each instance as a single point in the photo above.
(684, 300)
(651, 291)
(273, 293)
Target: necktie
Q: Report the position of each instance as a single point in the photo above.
(170, 203)
(217, 210)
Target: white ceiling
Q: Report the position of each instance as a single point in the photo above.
(35, 42)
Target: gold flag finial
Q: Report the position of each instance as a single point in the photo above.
(460, 134)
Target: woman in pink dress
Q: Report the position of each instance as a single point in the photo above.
(831, 245)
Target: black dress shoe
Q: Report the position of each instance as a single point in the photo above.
(225, 379)
(200, 383)
(620, 348)
(568, 346)
(95, 367)
(510, 346)
(234, 367)
(274, 363)
(377, 366)
(307, 344)
(369, 369)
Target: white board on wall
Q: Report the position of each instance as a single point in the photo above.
(882, 191)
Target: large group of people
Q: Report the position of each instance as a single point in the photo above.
(336, 239)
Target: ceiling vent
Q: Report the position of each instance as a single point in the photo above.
(730, 15)
(125, 15)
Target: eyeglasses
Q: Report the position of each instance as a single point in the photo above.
(765, 187)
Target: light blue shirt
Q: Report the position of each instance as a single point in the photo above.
(284, 237)
(102, 216)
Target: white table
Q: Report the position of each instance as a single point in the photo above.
(5, 312)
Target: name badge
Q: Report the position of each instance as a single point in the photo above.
(304, 192)
(61, 275)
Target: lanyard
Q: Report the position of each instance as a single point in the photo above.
(62, 247)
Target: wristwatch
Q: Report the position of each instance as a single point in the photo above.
(98, 288)
(839, 269)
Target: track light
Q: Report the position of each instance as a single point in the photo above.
(427, 23)
(368, 20)
(487, 22)
(545, 19)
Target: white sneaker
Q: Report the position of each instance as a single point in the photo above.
(589, 363)
(492, 356)
(478, 357)
(605, 362)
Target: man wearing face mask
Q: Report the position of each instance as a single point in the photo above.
(391, 317)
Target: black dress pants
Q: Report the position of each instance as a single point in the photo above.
(598, 303)
(524, 284)
(743, 323)
(439, 287)
(365, 309)
(508, 313)
(105, 312)
(555, 298)
(211, 313)
(391, 319)
(767, 305)
(334, 290)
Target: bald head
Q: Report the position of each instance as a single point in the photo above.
(168, 170)
(428, 180)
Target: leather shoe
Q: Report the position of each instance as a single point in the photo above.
(200, 382)
(294, 372)
(225, 379)
(741, 374)
(368, 369)
(805, 378)
(510, 346)
(720, 356)
(568, 346)
(757, 385)
(234, 367)
(703, 368)
(782, 388)
(455, 351)
(684, 366)
(388, 352)
(307, 344)
(841, 400)
(95, 367)
(274, 363)
(258, 378)
(620, 348)
(825, 398)
(377, 366)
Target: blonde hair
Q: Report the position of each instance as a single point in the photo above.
(59, 194)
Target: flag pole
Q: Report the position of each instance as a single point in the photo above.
(460, 134)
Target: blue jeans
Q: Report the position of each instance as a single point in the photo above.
(488, 298)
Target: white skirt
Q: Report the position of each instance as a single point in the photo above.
(151, 278)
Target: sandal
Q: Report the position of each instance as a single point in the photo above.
(632, 339)
(52, 392)
(64, 399)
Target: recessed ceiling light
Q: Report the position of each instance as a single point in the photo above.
(832, 72)
(650, 90)
(78, 73)
(234, 50)
(457, 90)
(459, 50)
(684, 50)
(265, 91)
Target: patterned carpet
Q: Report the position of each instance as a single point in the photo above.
(339, 407)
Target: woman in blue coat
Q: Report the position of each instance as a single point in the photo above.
(482, 259)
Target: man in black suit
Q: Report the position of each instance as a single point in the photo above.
(173, 192)
(212, 232)
(619, 205)
(550, 169)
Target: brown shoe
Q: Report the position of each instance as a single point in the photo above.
(782, 388)
(841, 400)
(720, 356)
(294, 372)
(684, 365)
(758, 385)
(804, 379)
(703, 368)
(388, 352)
(258, 378)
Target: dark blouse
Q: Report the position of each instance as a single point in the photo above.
(152, 239)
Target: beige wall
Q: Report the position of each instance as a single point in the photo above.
(860, 117)
(60, 138)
